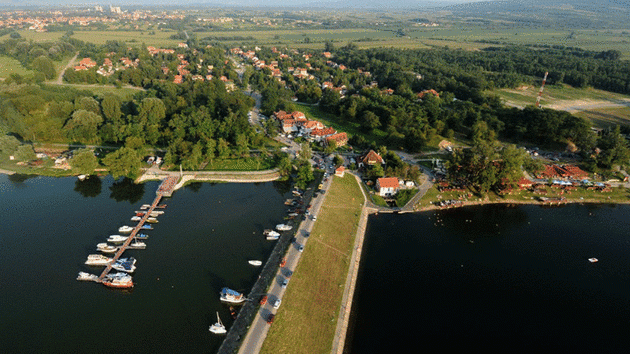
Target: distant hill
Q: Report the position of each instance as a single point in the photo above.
(569, 13)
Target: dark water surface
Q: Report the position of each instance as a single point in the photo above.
(202, 243)
(508, 279)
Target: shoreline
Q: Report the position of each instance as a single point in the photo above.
(465, 204)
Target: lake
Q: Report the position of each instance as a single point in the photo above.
(509, 279)
(48, 226)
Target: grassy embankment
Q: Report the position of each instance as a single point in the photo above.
(307, 319)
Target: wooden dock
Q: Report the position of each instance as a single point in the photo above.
(164, 190)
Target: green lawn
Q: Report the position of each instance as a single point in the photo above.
(307, 320)
(242, 164)
(10, 66)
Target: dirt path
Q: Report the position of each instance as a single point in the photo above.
(70, 64)
(584, 105)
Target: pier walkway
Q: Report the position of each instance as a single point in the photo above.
(164, 190)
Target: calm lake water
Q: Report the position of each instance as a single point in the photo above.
(509, 279)
(48, 226)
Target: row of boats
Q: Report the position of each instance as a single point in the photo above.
(123, 266)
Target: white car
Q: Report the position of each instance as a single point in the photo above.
(276, 304)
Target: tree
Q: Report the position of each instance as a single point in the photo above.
(84, 162)
(111, 108)
(330, 147)
(123, 162)
(304, 175)
(370, 121)
(8, 144)
(25, 153)
(223, 150)
(44, 65)
(89, 104)
(83, 126)
(305, 151)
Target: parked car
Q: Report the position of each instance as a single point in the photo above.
(271, 318)
(300, 248)
(276, 304)
(284, 283)
(263, 300)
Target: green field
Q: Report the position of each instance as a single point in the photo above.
(308, 317)
(10, 66)
(607, 117)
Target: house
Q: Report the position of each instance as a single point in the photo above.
(370, 159)
(309, 126)
(340, 171)
(425, 92)
(87, 62)
(340, 138)
(387, 186)
(321, 134)
(289, 126)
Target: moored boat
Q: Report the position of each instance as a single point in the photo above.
(83, 276)
(136, 218)
(593, 260)
(127, 265)
(82, 177)
(254, 262)
(218, 328)
(137, 245)
(106, 248)
(146, 227)
(231, 296)
(271, 235)
(118, 280)
(142, 236)
(152, 220)
(117, 238)
(145, 206)
(283, 227)
(98, 260)
(125, 229)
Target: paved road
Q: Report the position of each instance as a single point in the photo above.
(259, 327)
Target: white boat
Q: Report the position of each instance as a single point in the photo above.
(125, 229)
(271, 235)
(82, 177)
(283, 227)
(98, 260)
(106, 248)
(145, 206)
(83, 276)
(137, 245)
(136, 218)
(117, 238)
(255, 263)
(218, 328)
(593, 260)
(231, 296)
(127, 265)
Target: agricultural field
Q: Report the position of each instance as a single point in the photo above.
(308, 317)
(603, 108)
(10, 66)
(160, 39)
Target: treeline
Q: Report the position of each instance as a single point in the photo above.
(194, 121)
(38, 56)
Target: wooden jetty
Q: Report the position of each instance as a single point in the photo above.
(164, 190)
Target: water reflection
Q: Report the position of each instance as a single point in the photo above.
(19, 178)
(90, 187)
(126, 190)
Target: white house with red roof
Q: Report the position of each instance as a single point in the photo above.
(387, 186)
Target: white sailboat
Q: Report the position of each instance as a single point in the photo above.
(218, 328)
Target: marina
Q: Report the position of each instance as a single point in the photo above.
(127, 265)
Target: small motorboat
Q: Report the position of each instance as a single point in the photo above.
(125, 229)
(146, 227)
(161, 206)
(152, 220)
(145, 206)
(283, 227)
(593, 260)
(137, 245)
(218, 328)
(255, 263)
(136, 218)
(83, 276)
(142, 236)
(98, 260)
(106, 248)
(127, 265)
(82, 177)
(117, 238)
